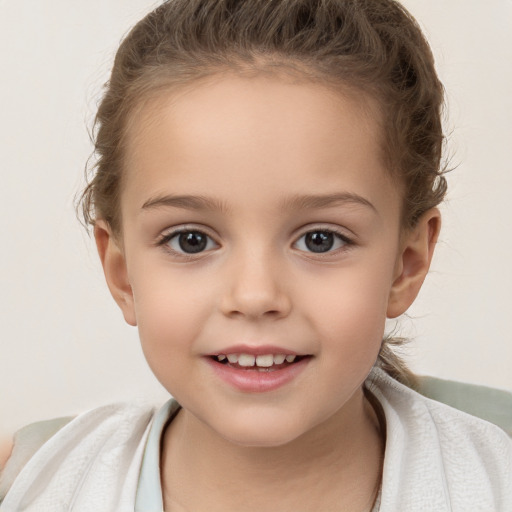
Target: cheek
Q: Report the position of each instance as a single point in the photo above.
(170, 312)
(358, 292)
(349, 310)
(351, 327)
(354, 325)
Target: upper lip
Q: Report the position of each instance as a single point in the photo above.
(256, 350)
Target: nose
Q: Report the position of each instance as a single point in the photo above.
(255, 287)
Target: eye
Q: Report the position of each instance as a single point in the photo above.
(321, 241)
(188, 242)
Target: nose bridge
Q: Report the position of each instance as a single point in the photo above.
(256, 284)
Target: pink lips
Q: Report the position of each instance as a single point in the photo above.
(253, 379)
(256, 350)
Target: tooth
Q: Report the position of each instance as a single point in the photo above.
(279, 358)
(290, 358)
(221, 357)
(265, 361)
(246, 360)
(232, 358)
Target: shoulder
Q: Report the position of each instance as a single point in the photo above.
(436, 455)
(17, 451)
(44, 448)
(415, 410)
(491, 404)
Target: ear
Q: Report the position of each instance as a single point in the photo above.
(417, 249)
(114, 267)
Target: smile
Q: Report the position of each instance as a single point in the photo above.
(257, 373)
(262, 362)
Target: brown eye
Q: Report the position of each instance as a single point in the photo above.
(192, 242)
(189, 242)
(321, 241)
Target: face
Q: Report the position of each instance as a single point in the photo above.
(260, 250)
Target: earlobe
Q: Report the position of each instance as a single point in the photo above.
(115, 270)
(414, 262)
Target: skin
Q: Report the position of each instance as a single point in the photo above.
(252, 147)
(5, 450)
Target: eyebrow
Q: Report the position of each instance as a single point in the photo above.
(296, 202)
(312, 202)
(200, 203)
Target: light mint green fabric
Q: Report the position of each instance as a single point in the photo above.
(493, 405)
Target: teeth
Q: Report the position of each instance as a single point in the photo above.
(262, 361)
(279, 358)
(265, 361)
(246, 360)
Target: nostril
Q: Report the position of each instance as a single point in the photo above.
(255, 298)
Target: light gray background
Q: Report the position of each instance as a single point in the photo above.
(64, 346)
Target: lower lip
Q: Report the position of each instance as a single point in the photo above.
(254, 381)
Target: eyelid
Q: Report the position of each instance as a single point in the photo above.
(343, 232)
(186, 227)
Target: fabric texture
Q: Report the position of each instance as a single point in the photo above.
(491, 404)
(91, 465)
(437, 459)
(27, 441)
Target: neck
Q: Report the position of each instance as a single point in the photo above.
(338, 462)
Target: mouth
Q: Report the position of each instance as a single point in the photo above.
(259, 363)
(258, 370)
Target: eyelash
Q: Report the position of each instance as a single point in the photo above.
(163, 241)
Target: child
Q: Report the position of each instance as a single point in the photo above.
(264, 198)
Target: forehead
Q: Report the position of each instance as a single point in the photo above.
(265, 133)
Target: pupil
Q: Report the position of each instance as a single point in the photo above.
(192, 242)
(319, 241)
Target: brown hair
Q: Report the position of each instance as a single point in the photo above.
(373, 46)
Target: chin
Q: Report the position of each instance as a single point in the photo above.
(262, 434)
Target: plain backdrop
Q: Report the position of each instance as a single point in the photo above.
(64, 346)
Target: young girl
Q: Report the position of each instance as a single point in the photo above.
(264, 198)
